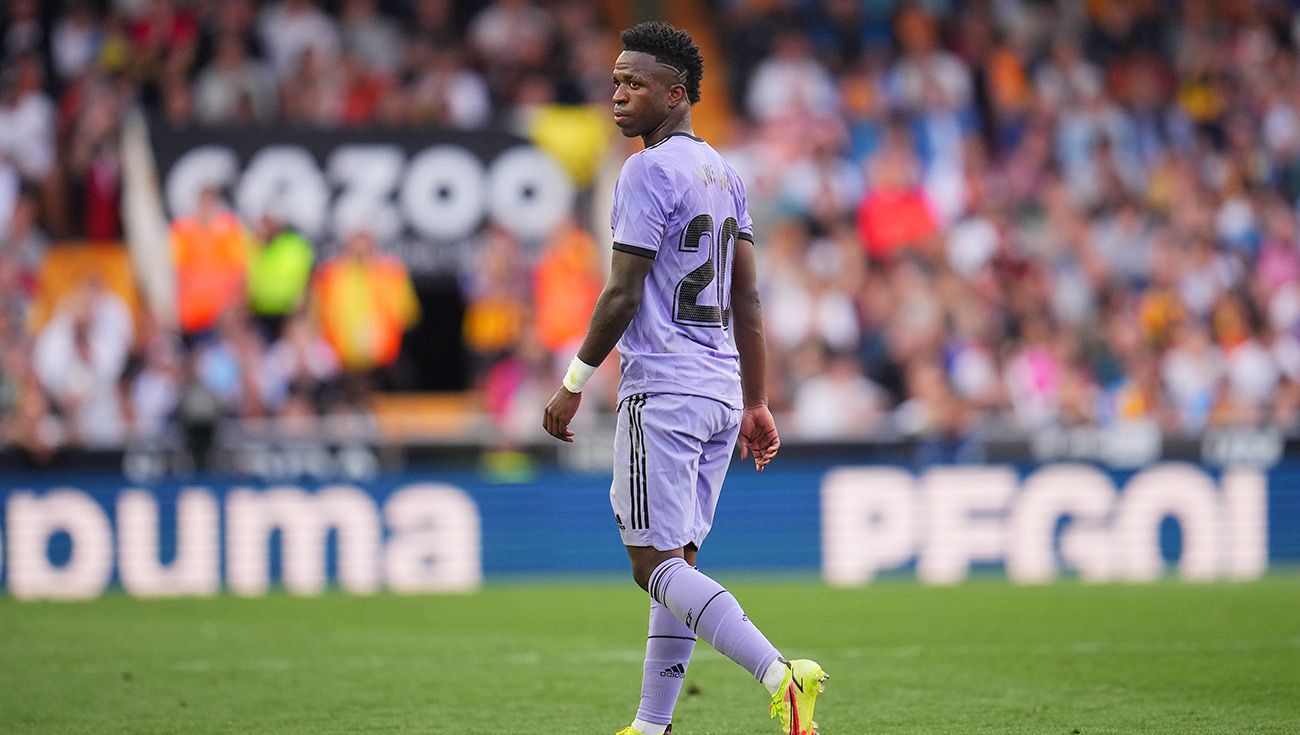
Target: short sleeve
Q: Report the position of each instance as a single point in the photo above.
(643, 202)
(745, 221)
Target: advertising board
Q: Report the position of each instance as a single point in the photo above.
(80, 536)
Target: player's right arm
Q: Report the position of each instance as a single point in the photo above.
(758, 433)
(614, 310)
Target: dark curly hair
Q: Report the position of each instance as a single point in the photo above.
(671, 46)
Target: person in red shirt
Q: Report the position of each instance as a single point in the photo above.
(896, 214)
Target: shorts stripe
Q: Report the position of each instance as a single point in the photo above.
(641, 480)
(631, 463)
(638, 498)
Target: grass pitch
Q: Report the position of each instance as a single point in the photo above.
(553, 659)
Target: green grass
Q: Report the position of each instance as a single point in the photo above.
(552, 659)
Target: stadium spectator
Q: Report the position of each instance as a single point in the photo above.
(303, 361)
(234, 19)
(791, 83)
(23, 32)
(234, 88)
(27, 420)
(445, 91)
(22, 241)
(835, 400)
(926, 72)
(364, 301)
(94, 167)
(229, 367)
(164, 39)
(80, 356)
(823, 186)
(210, 255)
(566, 283)
(279, 272)
(434, 22)
(75, 41)
(26, 119)
(290, 29)
(155, 391)
(509, 34)
(313, 93)
(895, 215)
(372, 38)
(363, 89)
(498, 300)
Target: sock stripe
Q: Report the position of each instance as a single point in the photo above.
(700, 617)
(678, 637)
(659, 579)
(655, 578)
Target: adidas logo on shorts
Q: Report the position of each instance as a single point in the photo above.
(676, 671)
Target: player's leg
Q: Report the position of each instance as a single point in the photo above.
(670, 438)
(710, 610)
(668, 649)
(669, 643)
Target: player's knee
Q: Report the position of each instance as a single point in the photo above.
(641, 571)
(645, 560)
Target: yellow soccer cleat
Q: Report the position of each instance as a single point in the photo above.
(794, 700)
(633, 731)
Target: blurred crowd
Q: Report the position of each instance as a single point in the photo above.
(972, 217)
(1012, 216)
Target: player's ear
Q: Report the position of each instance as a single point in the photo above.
(676, 94)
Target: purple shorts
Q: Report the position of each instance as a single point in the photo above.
(671, 454)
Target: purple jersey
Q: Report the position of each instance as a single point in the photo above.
(681, 204)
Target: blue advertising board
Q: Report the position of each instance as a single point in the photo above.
(65, 535)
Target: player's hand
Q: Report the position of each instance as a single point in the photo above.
(758, 436)
(559, 412)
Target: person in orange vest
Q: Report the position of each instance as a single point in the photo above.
(566, 284)
(209, 251)
(364, 301)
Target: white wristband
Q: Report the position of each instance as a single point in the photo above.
(578, 375)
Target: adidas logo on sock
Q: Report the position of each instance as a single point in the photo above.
(676, 671)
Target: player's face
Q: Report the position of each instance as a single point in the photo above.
(643, 93)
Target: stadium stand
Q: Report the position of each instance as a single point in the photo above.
(976, 219)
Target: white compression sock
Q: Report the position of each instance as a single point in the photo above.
(774, 675)
(713, 613)
(668, 647)
(648, 728)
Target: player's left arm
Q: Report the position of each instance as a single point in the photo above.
(614, 310)
(758, 433)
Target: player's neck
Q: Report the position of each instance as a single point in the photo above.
(670, 126)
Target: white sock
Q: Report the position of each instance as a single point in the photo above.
(668, 647)
(713, 613)
(774, 675)
(648, 728)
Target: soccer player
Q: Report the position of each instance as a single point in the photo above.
(683, 271)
